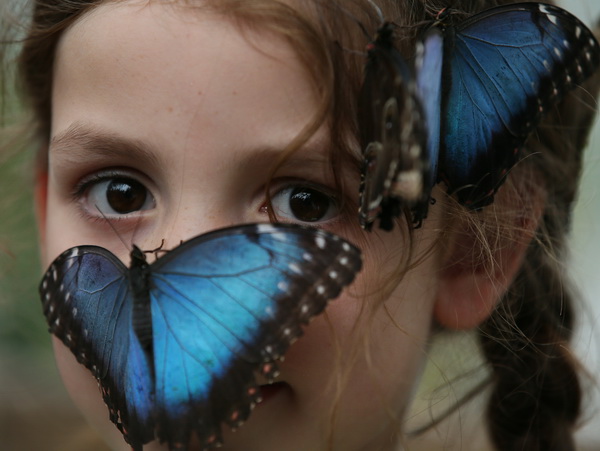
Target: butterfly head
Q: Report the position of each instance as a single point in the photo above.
(138, 257)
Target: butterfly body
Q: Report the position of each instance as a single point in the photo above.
(391, 122)
(175, 345)
(483, 85)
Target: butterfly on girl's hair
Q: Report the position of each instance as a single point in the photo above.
(175, 344)
(478, 88)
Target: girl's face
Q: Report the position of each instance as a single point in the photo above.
(165, 125)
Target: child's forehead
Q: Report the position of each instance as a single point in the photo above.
(111, 21)
(149, 72)
(135, 39)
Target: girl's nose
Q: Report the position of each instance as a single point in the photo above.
(196, 216)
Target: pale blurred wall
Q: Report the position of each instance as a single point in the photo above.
(585, 274)
(585, 254)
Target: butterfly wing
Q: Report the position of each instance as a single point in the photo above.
(226, 305)
(87, 304)
(396, 164)
(428, 67)
(503, 69)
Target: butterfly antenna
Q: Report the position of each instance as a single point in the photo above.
(158, 249)
(113, 227)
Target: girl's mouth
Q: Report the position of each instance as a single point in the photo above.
(269, 391)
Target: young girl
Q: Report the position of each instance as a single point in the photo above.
(159, 121)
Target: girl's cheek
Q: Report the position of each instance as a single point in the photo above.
(86, 395)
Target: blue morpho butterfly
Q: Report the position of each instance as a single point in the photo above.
(175, 344)
(481, 85)
(393, 136)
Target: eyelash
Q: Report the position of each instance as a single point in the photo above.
(279, 187)
(84, 186)
(305, 198)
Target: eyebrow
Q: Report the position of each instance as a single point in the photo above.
(82, 142)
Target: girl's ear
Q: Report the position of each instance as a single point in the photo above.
(481, 263)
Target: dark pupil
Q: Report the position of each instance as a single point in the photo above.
(308, 204)
(125, 195)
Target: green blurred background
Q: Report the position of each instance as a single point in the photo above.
(35, 412)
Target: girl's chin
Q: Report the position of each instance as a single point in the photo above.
(269, 394)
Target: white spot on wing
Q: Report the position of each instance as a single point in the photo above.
(294, 268)
(280, 236)
(265, 228)
(283, 285)
(546, 64)
(320, 242)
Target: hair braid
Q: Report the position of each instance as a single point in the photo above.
(536, 396)
(536, 391)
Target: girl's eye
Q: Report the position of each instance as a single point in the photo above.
(117, 196)
(305, 204)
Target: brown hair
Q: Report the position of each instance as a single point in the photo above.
(535, 389)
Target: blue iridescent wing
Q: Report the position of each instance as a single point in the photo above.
(428, 68)
(182, 357)
(395, 171)
(258, 285)
(503, 68)
(88, 306)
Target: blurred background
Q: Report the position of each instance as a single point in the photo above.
(35, 411)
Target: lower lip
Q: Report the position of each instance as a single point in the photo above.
(269, 391)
